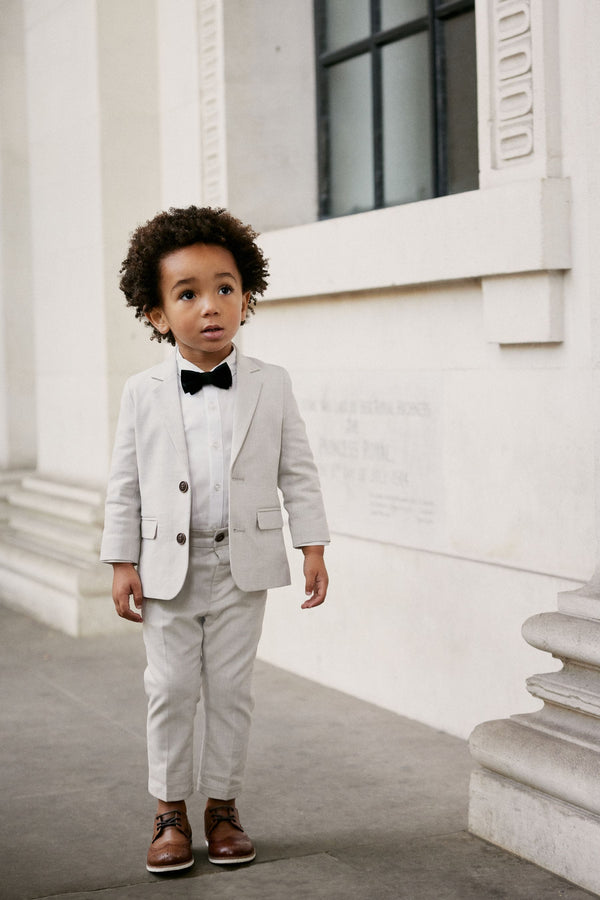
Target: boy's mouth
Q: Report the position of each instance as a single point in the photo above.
(212, 329)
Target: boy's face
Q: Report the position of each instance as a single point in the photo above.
(202, 302)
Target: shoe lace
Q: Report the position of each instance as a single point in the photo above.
(170, 819)
(220, 814)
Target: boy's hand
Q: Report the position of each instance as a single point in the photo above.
(316, 576)
(126, 582)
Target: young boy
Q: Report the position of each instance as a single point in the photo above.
(203, 443)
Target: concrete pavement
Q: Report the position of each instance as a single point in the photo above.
(344, 801)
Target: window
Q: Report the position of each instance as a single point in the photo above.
(397, 102)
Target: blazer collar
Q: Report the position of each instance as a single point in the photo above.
(250, 378)
(166, 387)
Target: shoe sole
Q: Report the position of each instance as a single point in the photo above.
(176, 868)
(234, 861)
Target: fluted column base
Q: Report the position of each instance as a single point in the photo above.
(536, 791)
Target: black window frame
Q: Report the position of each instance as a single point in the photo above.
(438, 11)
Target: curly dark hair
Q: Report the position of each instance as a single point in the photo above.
(176, 228)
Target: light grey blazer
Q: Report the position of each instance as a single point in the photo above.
(148, 502)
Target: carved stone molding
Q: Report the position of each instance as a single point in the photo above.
(212, 103)
(513, 97)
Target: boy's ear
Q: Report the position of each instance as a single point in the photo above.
(156, 317)
(245, 302)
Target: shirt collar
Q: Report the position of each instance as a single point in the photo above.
(182, 363)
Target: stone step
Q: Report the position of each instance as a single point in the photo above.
(50, 535)
(72, 613)
(60, 570)
(53, 505)
(90, 496)
(10, 479)
(54, 533)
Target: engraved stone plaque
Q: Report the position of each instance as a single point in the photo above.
(376, 437)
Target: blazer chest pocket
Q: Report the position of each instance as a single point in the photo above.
(149, 528)
(269, 518)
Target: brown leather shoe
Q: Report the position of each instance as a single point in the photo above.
(224, 846)
(171, 847)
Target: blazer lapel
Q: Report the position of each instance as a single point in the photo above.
(169, 407)
(249, 386)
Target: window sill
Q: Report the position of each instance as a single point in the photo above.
(519, 227)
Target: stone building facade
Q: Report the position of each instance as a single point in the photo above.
(445, 355)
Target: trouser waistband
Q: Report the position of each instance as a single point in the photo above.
(216, 538)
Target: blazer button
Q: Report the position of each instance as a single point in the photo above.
(181, 538)
(219, 537)
(183, 486)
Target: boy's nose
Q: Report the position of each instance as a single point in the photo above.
(208, 306)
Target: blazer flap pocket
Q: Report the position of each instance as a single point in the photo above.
(149, 528)
(270, 518)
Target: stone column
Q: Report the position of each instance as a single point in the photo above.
(92, 159)
(17, 391)
(536, 790)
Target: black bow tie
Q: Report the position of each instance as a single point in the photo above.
(192, 382)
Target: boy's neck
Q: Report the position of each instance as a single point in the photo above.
(205, 361)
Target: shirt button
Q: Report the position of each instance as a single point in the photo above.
(181, 538)
(217, 487)
(183, 486)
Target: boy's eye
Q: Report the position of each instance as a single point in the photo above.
(226, 289)
(187, 295)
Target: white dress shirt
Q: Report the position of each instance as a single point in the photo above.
(208, 424)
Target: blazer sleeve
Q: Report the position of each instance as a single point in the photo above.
(298, 478)
(122, 516)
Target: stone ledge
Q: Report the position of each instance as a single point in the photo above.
(522, 226)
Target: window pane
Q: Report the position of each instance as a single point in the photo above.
(407, 163)
(346, 21)
(350, 144)
(399, 12)
(461, 103)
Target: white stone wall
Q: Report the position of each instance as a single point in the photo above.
(479, 309)
(494, 495)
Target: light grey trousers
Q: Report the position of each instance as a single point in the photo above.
(201, 645)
